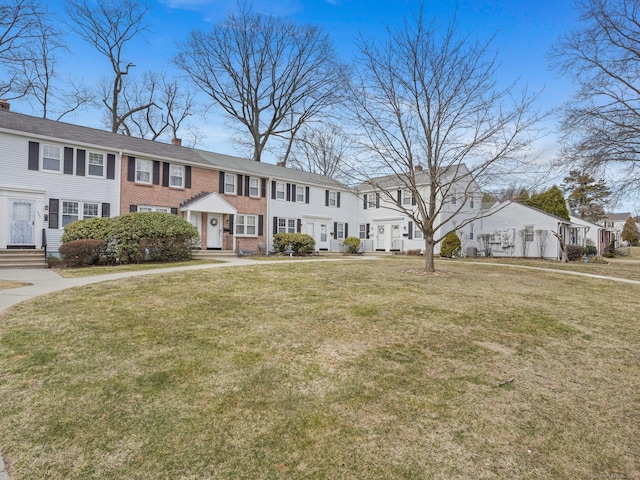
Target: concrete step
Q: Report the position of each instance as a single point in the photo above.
(14, 258)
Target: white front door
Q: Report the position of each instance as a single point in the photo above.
(324, 237)
(214, 231)
(310, 229)
(22, 213)
(396, 238)
(380, 240)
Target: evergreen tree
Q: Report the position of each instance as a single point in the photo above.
(552, 201)
(630, 232)
(587, 196)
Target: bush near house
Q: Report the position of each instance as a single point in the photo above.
(78, 253)
(574, 252)
(450, 245)
(352, 244)
(138, 236)
(300, 243)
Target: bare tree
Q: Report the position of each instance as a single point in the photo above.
(109, 27)
(563, 246)
(171, 104)
(39, 78)
(541, 238)
(601, 124)
(267, 74)
(322, 149)
(431, 112)
(19, 21)
(524, 245)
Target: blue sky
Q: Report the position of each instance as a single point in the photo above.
(524, 32)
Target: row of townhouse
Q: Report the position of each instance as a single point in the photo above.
(55, 173)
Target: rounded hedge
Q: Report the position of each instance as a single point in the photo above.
(450, 245)
(300, 243)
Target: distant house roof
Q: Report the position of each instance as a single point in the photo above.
(422, 177)
(617, 217)
(91, 137)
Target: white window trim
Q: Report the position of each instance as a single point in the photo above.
(241, 220)
(60, 158)
(104, 165)
(406, 197)
(235, 189)
(362, 231)
(153, 208)
(171, 176)
(333, 198)
(529, 236)
(301, 189)
(80, 215)
(283, 191)
(140, 162)
(257, 187)
(339, 233)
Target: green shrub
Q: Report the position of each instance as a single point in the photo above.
(138, 236)
(301, 243)
(450, 245)
(352, 244)
(78, 253)
(591, 250)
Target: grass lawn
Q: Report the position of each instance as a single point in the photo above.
(104, 270)
(327, 370)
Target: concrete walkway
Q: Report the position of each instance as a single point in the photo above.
(43, 281)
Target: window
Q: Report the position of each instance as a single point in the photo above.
(332, 199)
(150, 208)
(280, 191)
(371, 200)
(291, 225)
(254, 187)
(246, 225)
(90, 210)
(362, 234)
(471, 202)
(528, 233)
(229, 183)
(471, 231)
(96, 165)
(417, 233)
(143, 171)
(51, 158)
(69, 213)
(339, 231)
(176, 176)
(286, 225)
(299, 194)
(454, 199)
(406, 197)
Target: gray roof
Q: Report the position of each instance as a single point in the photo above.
(61, 131)
(617, 217)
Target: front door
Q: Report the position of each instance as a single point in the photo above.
(380, 240)
(214, 231)
(195, 221)
(324, 237)
(396, 238)
(22, 214)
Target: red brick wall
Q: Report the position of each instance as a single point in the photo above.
(202, 180)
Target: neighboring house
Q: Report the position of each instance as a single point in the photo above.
(615, 222)
(384, 225)
(52, 174)
(586, 233)
(511, 229)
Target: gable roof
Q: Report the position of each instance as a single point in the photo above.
(617, 217)
(54, 131)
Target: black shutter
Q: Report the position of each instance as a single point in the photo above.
(221, 181)
(80, 165)
(338, 199)
(294, 192)
(410, 228)
(365, 201)
(306, 194)
(165, 174)
(174, 210)
(131, 169)
(239, 192)
(54, 205)
(156, 173)
(34, 156)
(247, 185)
(399, 197)
(346, 230)
(187, 177)
(299, 226)
(335, 230)
(68, 161)
(263, 194)
(133, 208)
(231, 224)
(111, 166)
(260, 225)
(326, 198)
(377, 200)
(106, 209)
(367, 232)
(413, 199)
(273, 189)
(288, 192)
(275, 225)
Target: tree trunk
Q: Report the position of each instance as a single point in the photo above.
(429, 246)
